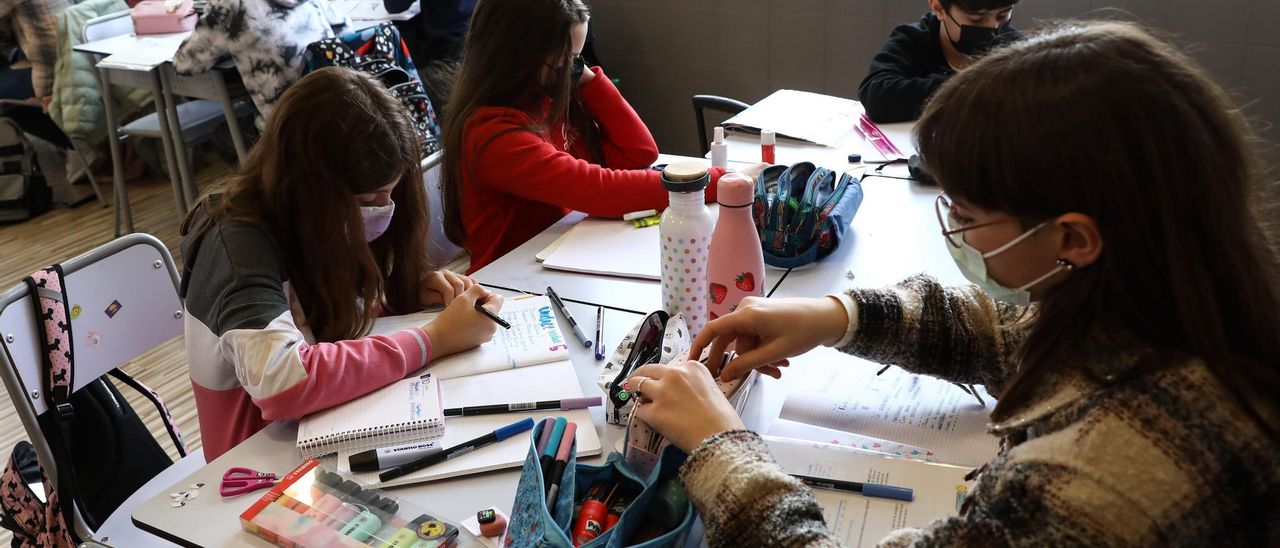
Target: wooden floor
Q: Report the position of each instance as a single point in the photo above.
(64, 233)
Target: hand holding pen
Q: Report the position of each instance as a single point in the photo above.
(459, 327)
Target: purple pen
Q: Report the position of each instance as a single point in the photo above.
(563, 405)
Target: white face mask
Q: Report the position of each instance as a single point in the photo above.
(376, 220)
(973, 264)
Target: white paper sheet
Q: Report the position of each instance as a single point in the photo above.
(611, 247)
(915, 410)
(813, 117)
(939, 489)
(783, 428)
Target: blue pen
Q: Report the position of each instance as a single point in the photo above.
(867, 489)
(553, 444)
(458, 450)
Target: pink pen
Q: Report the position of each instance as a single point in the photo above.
(562, 459)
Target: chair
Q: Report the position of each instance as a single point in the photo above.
(138, 272)
(716, 103)
(441, 252)
(196, 120)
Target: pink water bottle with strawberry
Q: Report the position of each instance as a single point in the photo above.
(735, 263)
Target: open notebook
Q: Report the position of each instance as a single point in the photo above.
(534, 338)
(856, 520)
(816, 118)
(611, 247)
(407, 410)
(550, 381)
(900, 411)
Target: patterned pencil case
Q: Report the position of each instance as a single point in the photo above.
(658, 513)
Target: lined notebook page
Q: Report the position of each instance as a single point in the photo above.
(534, 338)
(540, 382)
(408, 410)
(914, 410)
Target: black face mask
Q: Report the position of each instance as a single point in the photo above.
(974, 40)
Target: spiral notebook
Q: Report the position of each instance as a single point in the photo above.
(408, 410)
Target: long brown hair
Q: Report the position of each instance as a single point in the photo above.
(1106, 120)
(334, 134)
(507, 47)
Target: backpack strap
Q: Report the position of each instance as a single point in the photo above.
(53, 319)
(169, 424)
(31, 521)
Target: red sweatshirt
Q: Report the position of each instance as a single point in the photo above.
(522, 182)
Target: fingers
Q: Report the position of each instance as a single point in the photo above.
(455, 283)
(766, 354)
(477, 293)
(493, 302)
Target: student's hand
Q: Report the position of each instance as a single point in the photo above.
(44, 102)
(770, 330)
(441, 287)
(682, 402)
(461, 327)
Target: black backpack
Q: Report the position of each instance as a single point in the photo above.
(102, 449)
(23, 191)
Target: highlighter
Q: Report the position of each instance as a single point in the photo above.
(407, 536)
(362, 526)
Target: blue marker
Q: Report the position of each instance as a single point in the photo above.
(458, 450)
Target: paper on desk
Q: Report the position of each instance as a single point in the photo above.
(939, 489)
(534, 338)
(916, 410)
(550, 381)
(813, 117)
(611, 247)
(146, 52)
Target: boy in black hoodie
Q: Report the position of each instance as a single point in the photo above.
(919, 57)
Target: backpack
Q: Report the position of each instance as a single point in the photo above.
(102, 449)
(23, 191)
(379, 51)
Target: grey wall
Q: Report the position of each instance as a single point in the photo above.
(665, 51)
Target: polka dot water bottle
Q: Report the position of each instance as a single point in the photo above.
(685, 232)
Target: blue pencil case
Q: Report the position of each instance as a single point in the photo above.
(532, 523)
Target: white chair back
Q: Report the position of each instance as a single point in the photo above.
(124, 301)
(440, 251)
(106, 26)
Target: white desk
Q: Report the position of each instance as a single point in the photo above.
(210, 520)
(894, 235)
(745, 147)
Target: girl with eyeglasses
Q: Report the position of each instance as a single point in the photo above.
(1104, 196)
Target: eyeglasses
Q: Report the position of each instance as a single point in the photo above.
(950, 222)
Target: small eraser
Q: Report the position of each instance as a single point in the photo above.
(495, 527)
(855, 158)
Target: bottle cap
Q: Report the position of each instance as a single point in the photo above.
(687, 176)
(736, 190)
(767, 137)
(719, 135)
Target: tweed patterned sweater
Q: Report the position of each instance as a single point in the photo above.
(1166, 458)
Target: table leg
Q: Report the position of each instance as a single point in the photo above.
(123, 215)
(166, 138)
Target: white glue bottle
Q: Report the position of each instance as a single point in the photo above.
(719, 150)
(685, 233)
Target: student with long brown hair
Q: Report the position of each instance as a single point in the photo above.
(532, 133)
(322, 230)
(1100, 175)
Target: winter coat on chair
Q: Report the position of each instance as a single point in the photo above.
(265, 38)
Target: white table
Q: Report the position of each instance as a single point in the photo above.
(894, 235)
(211, 521)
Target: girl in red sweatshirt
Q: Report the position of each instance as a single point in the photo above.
(531, 133)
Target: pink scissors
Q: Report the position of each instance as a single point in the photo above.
(238, 481)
